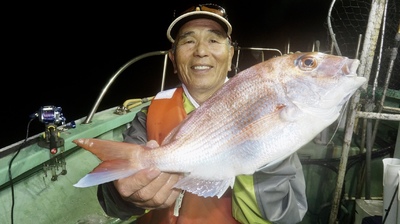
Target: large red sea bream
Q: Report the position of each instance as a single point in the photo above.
(261, 115)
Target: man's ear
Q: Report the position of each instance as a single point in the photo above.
(231, 53)
(172, 58)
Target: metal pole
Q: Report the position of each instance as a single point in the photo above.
(116, 74)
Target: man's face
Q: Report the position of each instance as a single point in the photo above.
(203, 56)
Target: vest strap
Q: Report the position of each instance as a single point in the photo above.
(164, 114)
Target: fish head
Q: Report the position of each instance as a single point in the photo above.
(319, 84)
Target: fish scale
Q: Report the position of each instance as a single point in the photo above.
(260, 116)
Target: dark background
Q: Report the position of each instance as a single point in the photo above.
(64, 53)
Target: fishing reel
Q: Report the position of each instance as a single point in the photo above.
(51, 116)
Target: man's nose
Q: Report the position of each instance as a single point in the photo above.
(201, 49)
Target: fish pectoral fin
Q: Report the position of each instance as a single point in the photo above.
(290, 114)
(107, 171)
(205, 188)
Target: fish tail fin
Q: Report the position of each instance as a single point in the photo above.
(109, 150)
(118, 160)
(107, 171)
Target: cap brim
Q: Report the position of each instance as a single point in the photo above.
(178, 22)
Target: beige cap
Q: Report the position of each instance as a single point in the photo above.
(209, 11)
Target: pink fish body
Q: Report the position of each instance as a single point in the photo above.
(261, 115)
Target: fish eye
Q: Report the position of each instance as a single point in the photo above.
(307, 63)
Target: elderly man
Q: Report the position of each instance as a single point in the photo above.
(201, 54)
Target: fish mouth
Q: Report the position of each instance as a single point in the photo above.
(349, 70)
(350, 67)
(349, 83)
(353, 65)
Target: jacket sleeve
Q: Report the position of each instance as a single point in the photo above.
(107, 195)
(280, 191)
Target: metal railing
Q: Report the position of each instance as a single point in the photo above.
(119, 71)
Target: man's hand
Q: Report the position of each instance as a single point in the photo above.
(149, 188)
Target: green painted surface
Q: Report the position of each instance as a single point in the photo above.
(38, 198)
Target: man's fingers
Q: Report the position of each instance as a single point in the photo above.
(152, 144)
(129, 185)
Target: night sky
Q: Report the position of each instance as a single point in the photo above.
(63, 54)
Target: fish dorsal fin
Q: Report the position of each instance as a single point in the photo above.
(205, 188)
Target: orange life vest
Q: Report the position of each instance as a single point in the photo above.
(163, 115)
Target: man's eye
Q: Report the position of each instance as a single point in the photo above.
(187, 42)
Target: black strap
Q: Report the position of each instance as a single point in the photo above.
(390, 205)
